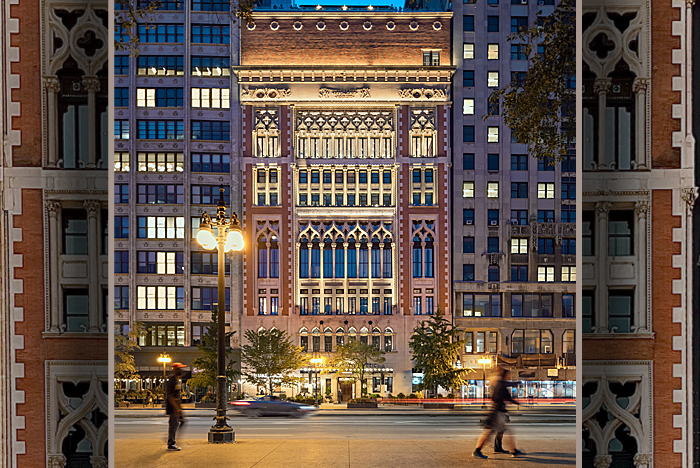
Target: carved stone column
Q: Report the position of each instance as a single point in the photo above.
(92, 86)
(601, 319)
(602, 461)
(53, 208)
(99, 462)
(641, 209)
(640, 90)
(320, 259)
(601, 87)
(53, 87)
(94, 274)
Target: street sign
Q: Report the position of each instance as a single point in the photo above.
(552, 372)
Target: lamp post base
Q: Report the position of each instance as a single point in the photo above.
(221, 435)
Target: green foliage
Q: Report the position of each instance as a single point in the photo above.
(207, 362)
(412, 396)
(270, 359)
(541, 113)
(435, 347)
(401, 395)
(354, 357)
(129, 14)
(124, 347)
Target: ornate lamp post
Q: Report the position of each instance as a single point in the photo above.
(484, 361)
(316, 361)
(225, 242)
(164, 358)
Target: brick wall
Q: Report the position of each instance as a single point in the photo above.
(333, 46)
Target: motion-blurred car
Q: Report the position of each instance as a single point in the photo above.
(271, 406)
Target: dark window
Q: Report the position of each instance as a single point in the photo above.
(518, 23)
(211, 163)
(518, 273)
(545, 245)
(481, 305)
(468, 272)
(494, 274)
(75, 310)
(206, 263)
(620, 311)
(211, 130)
(568, 213)
(207, 298)
(518, 78)
(161, 193)
(468, 136)
(75, 232)
(468, 78)
(518, 217)
(121, 193)
(587, 305)
(468, 162)
(545, 164)
(493, 217)
(160, 129)
(121, 97)
(210, 5)
(545, 216)
(518, 190)
(620, 232)
(209, 195)
(209, 34)
(492, 245)
(587, 233)
(469, 22)
(121, 297)
(567, 306)
(121, 63)
(568, 188)
(121, 261)
(517, 52)
(568, 246)
(468, 244)
(468, 217)
(492, 23)
(162, 33)
(518, 162)
(493, 162)
(121, 227)
(211, 66)
(493, 107)
(160, 65)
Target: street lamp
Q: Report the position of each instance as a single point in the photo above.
(164, 358)
(316, 361)
(221, 432)
(484, 361)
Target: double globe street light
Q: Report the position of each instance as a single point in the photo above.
(228, 238)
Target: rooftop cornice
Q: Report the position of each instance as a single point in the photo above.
(367, 15)
(340, 73)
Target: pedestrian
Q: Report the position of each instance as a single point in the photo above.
(497, 420)
(173, 405)
(150, 398)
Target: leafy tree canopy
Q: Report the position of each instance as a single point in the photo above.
(354, 357)
(124, 347)
(207, 362)
(540, 110)
(435, 346)
(129, 14)
(270, 358)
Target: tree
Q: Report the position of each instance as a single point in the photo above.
(130, 14)
(124, 346)
(435, 346)
(271, 358)
(207, 363)
(354, 357)
(540, 110)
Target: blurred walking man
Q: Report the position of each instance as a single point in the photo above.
(173, 405)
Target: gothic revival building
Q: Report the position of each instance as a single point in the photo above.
(638, 162)
(54, 188)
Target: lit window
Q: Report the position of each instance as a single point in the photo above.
(468, 190)
(492, 135)
(492, 81)
(545, 274)
(545, 190)
(492, 190)
(146, 97)
(468, 106)
(518, 245)
(215, 98)
(468, 51)
(493, 54)
(568, 273)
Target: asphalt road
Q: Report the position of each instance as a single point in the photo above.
(344, 427)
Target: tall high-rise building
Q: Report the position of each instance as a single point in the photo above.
(53, 192)
(638, 161)
(513, 216)
(329, 128)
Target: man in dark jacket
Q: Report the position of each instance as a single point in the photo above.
(497, 420)
(173, 404)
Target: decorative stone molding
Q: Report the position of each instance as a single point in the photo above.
(367, 25)
(250, 26)
(640, 85)
(494, 258)
(413, 25)
(91, 84)
(643, 459)
(602, 461)
(360, 93)
(437, 25)
(641, 208)
(297, 25)
(57, 461)
(274, 25)
(52, 84)
(344, 25)
(52, 207)
(422, 93)
(602, 208)
(391, 25)
(602, 85)
(320, 25)
(265, 93)
(99, 462)
(689, 195)
(92, 206)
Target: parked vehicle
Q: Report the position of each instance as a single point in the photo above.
(271, 406)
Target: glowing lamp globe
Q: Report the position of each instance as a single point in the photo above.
(234, 241)
(205, 237)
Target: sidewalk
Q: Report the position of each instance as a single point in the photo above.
(246, 453)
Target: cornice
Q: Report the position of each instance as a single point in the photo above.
(366, 15)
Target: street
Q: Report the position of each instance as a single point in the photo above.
(420, 440)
